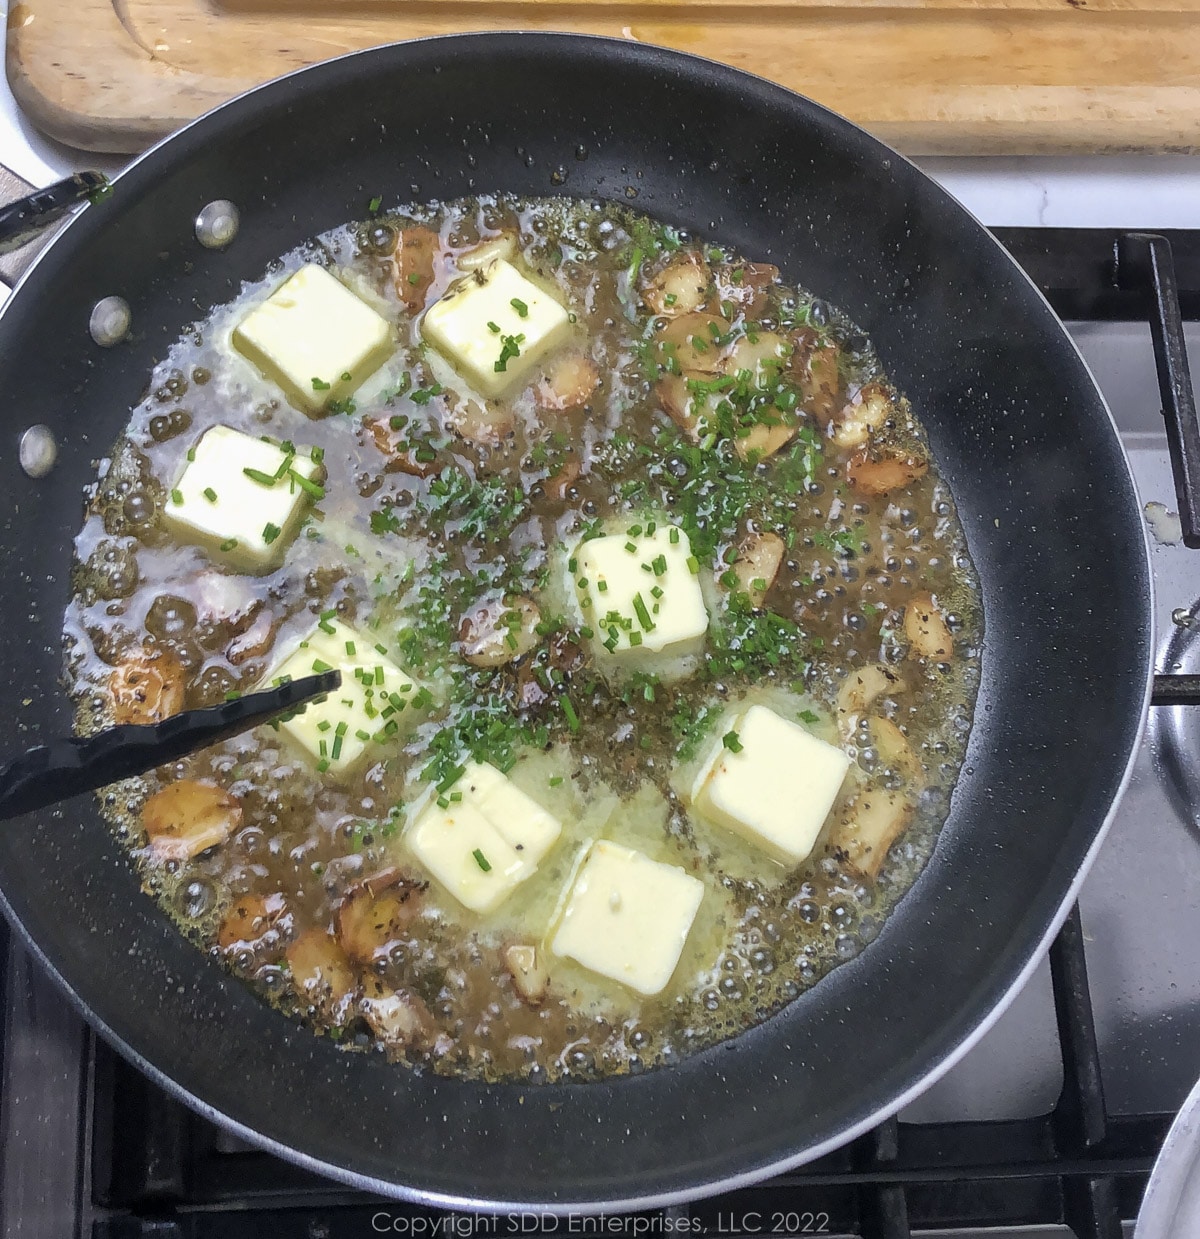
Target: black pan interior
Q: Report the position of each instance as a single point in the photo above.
(1019, 431)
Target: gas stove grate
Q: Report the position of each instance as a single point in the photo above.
(149, 1167)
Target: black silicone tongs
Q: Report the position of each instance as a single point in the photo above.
(70, 765)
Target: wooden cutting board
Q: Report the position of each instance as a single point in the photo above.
(928, 76)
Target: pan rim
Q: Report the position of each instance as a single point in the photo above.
(710, 1187)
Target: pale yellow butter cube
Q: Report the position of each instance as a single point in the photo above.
(466, 854)
(241, 516)
(482, 837)
(529, 324)
(777, 790)
(627, 917)
(641, 590)
(315, 338)
(377, 703)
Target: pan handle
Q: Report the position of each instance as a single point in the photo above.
(1145, 262)
(29, 215)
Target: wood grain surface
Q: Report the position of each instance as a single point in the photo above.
(929, 76)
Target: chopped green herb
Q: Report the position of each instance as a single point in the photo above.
(639, 607)
(414, 278)
(569, 710)
(176, 497)
(229, 544)
(320, 385)
(270, 533)
(375, 203)
(210, 494)
(521, 308)
(731, 742)
(510, 348)
(314, 490)
(809, 717)
(482, 861)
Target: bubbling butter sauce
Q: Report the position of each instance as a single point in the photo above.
(833, 569)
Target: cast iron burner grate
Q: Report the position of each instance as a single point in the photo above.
(143, 1165)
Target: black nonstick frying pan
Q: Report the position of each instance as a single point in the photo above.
(1016, 424)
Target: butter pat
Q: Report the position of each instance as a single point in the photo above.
(242, 516)
(376, 704)
(627, 917)
(314, 338)
(777, 790)
(482, 837)
(529, 324)
(639, 590)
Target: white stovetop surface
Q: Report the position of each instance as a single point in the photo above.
(1141, 191)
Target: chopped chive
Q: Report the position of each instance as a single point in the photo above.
(639, 606)
(312, 489)
(494, 328)
(191, 454)
(337, 747)
(521, 308)
(210, 494)
(556, 780)
(375, 203)
(602, 585)
(809, 717)
(381, 649)
(320, 385)
(176, 497)
(323, 765)
(364, 736)
(631, 548)
(320, 665)
(659, 564)
(482, 861)
(270, 533)
(229, 544)
(693, 565)
(414, 278)
(656, 591)
(674, 536)
(731, 742)
(257, 475)
(569, 711)
(351, 649)
(635, 637)
(324, 725)
(347, 377)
